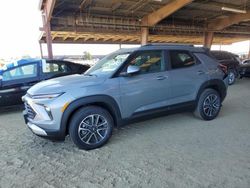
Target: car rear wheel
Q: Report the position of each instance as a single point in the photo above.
(231, 77)
(91, 127)
(209, 105)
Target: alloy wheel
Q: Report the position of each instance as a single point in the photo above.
(93, 129)
(211, 105)
(231, 77)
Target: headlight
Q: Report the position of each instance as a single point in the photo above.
(47, 96)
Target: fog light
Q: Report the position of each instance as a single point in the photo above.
(48, 110)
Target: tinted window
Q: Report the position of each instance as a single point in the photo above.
(26, 71)
(221, 55)
(148, 61)
(181, 59)
(49, 67)
(246, 62)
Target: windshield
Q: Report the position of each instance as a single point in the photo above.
(108, 64)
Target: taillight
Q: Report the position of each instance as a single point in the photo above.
(223, 68)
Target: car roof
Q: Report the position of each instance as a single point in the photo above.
(172, 47)
(162, 47)
(221, 52)
(18, 63)
(60, 61)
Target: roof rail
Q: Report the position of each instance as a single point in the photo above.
(169, 44)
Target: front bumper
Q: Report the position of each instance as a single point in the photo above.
(41, 122)
(45, 133)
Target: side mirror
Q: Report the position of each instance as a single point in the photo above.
(132, 69)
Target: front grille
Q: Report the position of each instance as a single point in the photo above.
(30, 112)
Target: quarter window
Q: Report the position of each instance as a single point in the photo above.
(148, 61)
(181, 59)
(26, 71)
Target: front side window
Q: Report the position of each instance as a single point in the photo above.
(148, 61)
(181, 59)
(22, 72)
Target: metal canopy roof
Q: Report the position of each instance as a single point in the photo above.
(121, 21)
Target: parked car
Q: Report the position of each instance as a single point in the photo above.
(16, 78)
(231, 61)
(126, 85)
(245, 68)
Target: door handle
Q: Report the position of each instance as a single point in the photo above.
(161, 77)
(200, 72)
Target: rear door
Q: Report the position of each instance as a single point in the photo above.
(187, 74)
(16, 81)
(147, 90)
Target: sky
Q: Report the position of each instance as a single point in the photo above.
(20, 21)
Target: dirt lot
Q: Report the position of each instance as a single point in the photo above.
(173, 151)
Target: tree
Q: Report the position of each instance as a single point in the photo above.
(87, 56)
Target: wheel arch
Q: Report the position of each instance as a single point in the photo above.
(103, 101)
(215, 84)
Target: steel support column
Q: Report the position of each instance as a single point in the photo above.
(144, 35)
(46, 26)
(41, 49)
(208, 39)
(249, 51)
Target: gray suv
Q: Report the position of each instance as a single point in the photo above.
(125, 86)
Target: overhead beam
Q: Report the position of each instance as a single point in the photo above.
(221, 23)
(168, 9)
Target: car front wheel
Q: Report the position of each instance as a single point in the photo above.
(91, 127)
(209, 105)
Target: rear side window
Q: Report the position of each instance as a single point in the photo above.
(22, 72)
(246, 62)
(221, 55)
(181, 59)
(49, 67)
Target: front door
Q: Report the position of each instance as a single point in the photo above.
(15, 83)
(148, 89)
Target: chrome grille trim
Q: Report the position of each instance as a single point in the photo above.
(30, 112)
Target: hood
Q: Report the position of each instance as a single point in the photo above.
(65, 83)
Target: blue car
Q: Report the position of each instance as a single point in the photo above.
(16, 78)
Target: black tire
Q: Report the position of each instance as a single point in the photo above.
(84, 124)
(204, 107)
(231, 76)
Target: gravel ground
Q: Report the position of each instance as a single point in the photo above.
(173, 151)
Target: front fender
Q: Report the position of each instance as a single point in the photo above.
(105, 101)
